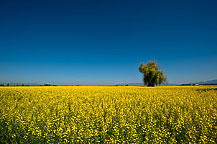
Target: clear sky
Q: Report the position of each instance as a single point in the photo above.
(104, 41)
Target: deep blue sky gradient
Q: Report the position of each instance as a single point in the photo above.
(104, 42)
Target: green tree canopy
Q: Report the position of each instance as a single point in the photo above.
(152, 75)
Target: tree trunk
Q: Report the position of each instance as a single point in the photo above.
(150, 85)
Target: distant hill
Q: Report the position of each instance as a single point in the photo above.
(208, 82)
(141, 84)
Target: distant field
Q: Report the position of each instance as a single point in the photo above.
(94, 114)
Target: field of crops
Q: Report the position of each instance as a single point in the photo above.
(83, 114)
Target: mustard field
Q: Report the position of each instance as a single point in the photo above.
(103, 114)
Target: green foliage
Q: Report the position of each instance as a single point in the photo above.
(152, 75)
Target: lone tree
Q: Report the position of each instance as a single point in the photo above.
(152, 75)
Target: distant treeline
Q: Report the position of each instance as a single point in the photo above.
(57, 85)
(8, 84)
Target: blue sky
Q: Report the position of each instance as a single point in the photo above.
(104, 42)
